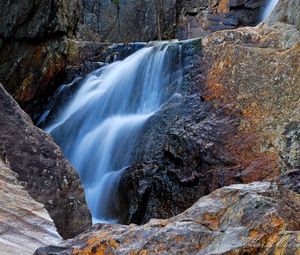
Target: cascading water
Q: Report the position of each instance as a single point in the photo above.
(268, 9)
(97, 129)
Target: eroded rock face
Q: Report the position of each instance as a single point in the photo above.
(42, 169)
(25, 225)
(258, 218)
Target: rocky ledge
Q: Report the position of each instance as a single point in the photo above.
(258, 218)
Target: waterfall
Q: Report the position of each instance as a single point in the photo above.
(268, 9)
(98, 127)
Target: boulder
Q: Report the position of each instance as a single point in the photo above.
(25, 225)
(257, 218)
(42, 169)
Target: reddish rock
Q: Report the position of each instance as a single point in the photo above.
(258, 218)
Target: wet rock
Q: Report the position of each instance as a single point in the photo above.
(34, 45)
(83, 58)
(230, 126)
(42, 169)
(25, 225)
(258, 218)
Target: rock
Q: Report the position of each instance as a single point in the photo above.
(39, 41)
(24, 223)
(237, 123)
(42, 169)
(214, 15)
(31, 70)
(34, 45)
(38, 19)
(258, 218)
(286, 12)
(112, 21)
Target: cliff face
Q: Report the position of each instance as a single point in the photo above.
(37, 38)
(41, 168)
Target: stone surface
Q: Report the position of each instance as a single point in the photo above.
(38, 19)
(258, 218)
(42, 169)
(37, 37)
(127, 21)
(25, 225)
(34, 45)
(237, 121)
(197, 18)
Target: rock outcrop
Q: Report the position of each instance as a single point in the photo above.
(229, 127)
(258, 218)
(34, 44)
(42, 169)
(37, 38)
(25, 225)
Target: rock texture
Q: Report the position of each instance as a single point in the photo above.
(197, 18)
(113, 21)
(37, 38)
(238, 122)
(258, 218)
(42, 169)
(34, 45)
(24, 223)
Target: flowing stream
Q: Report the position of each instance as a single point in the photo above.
(98, 127)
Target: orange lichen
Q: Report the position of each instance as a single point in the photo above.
(98, 246)
(223, 6)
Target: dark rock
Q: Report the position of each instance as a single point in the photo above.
(214, 15)
(228, 127)
(41, 167)
(38, 19)
(107, 21)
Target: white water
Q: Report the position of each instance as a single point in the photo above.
(269, 8)
(98, 128)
